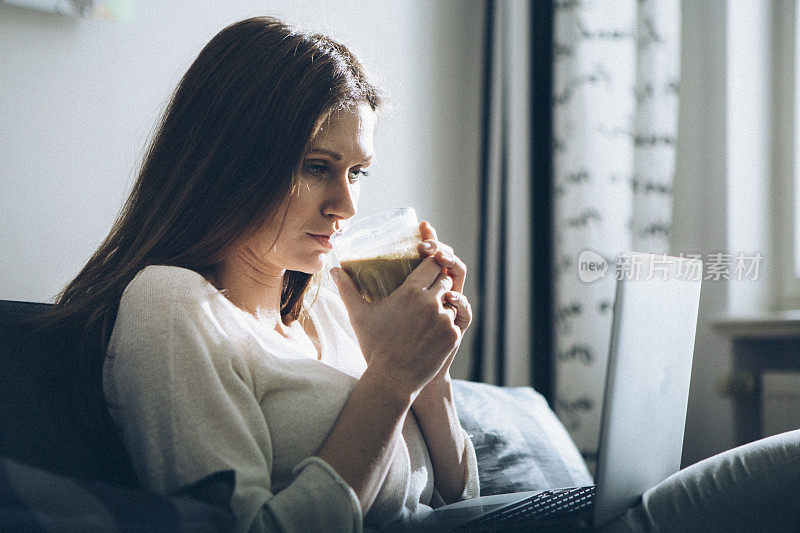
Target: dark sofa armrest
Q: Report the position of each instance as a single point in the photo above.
(35, 500)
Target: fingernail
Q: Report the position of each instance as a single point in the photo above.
(427, 246)
(335, 274)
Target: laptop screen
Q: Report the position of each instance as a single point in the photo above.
(647, 386)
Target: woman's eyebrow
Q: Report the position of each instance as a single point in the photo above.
(336, 156)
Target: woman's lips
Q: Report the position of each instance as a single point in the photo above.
(323, 240)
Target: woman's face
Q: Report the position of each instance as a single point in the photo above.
(327, 194)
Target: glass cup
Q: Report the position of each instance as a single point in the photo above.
(379, 251)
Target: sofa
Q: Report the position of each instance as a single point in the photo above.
(55, 475)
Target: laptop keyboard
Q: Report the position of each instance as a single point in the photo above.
(550, 504)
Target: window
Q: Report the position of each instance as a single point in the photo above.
(786, 155)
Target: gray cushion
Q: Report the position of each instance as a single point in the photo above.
(520, 443)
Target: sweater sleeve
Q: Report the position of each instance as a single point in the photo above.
(472, 488)
(184, 399)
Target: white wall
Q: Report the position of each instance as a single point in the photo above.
(722, 188)
(80, 98)
(733, 182)
(749, 126)
(700, 216)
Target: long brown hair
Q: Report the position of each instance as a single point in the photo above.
(225, 154)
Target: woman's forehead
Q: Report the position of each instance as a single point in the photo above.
(347, 131)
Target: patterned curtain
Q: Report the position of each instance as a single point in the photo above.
(615, 104)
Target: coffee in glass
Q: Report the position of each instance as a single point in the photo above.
(378, 252)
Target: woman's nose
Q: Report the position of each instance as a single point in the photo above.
(343, 198)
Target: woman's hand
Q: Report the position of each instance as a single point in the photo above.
(408, 336)
(455, 268)
(409, 340)
(454, 299)
(434, 407)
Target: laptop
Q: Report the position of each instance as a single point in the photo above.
(644, 408)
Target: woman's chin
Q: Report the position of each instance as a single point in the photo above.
(310, 271)
(320, 263)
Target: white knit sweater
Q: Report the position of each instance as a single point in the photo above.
(197, 385)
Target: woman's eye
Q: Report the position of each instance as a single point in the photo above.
(322, 171)
(356, 174)
(316, 169)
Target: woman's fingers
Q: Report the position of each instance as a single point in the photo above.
(442, 284)
(350, 295)
(444, 255)
(430, 242)
(425, 275)
(452, 311)
(429, 247)
(462, 307)
(427, 232)
(455, 268)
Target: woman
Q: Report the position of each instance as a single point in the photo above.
(225, 346)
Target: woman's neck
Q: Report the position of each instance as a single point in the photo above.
(253, 288)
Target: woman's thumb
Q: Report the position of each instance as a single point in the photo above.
(347, 289)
